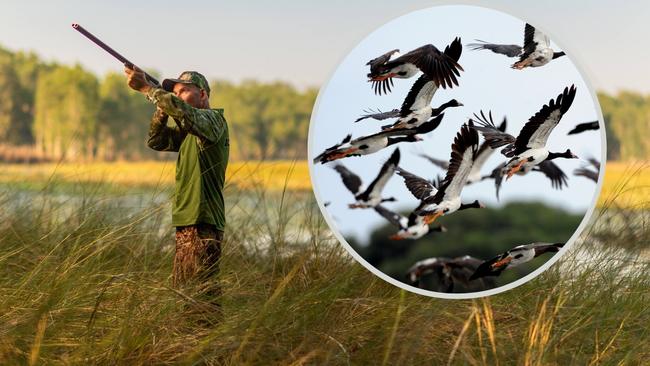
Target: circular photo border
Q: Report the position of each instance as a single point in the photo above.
(469, 295)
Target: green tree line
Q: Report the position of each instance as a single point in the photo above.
(61, 111)
(67, 112)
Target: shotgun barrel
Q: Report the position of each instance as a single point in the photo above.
(108, 49)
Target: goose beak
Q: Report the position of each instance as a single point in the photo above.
(431, 218)
(395, 237)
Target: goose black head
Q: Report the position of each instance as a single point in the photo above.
(475, 204)
(567, 155)
(454, 103)
(558, 54)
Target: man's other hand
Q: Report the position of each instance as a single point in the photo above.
(136, 80)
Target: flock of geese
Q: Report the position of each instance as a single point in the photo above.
(524, 153)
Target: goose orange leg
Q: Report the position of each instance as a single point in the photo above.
(431, 218)
(383, 77)
(515, 169)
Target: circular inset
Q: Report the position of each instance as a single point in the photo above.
(453, 153)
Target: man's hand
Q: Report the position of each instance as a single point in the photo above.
(136, 80)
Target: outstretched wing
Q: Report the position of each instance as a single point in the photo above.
(494, 136)
(351, 181)
(442, 164)
(554, 173)
(533, 40)
(535, 132)
(387, 171)
(440, 67)
(510, 50)
(418, 186)
(581, 127)
(379, 115)
(419, 96)
(463, 153)
(392, 217)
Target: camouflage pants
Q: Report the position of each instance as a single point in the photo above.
(198, 249)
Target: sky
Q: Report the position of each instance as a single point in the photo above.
(300, 42)
(488, 83)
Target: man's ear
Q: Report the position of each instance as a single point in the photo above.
(204, 95)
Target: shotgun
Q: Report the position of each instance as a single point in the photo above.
(108, 49)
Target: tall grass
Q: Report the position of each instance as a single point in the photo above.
(85, 279)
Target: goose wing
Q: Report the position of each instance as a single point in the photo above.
(387, 171)
(510, 50)
(377, 62)
(379, 115)
(587, 173)
(535, 132)
(419, 96)
(440, 66)
(485, 151)
(332, 148)
(463, 153)
(376, 65)
(442, 164)
(533, 40)
(554, 173)
(418, 186)
(392, 217)
(494, 136)
(581, 127)
(351, 181)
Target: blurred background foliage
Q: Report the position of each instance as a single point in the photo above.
(50, 111)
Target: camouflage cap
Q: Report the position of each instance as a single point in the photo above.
(187, 77)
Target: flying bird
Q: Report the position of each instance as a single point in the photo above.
(416, 108)
(587, 172)
(581, 127)
(514, 257)
(446, 199)
(535, 52)
(448, 271)
(442, 164)
(411, 227)
(372, 143)
(370, 196)
(529, 148)
(441, 67)
(550, 170)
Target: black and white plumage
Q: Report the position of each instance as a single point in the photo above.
(529, 148)
(535, 52)
(411, 227)
(449, 271)
(370, 196)
(514, 257)
(416, 107)
(582, 127)
(366, 145)
(551, 170)
(441, 67)
(446, 199)
(587, 172)
(483, 154)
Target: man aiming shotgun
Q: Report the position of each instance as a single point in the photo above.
(200, 136)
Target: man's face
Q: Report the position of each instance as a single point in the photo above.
(191, 94)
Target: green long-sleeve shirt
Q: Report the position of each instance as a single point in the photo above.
(201, 139)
